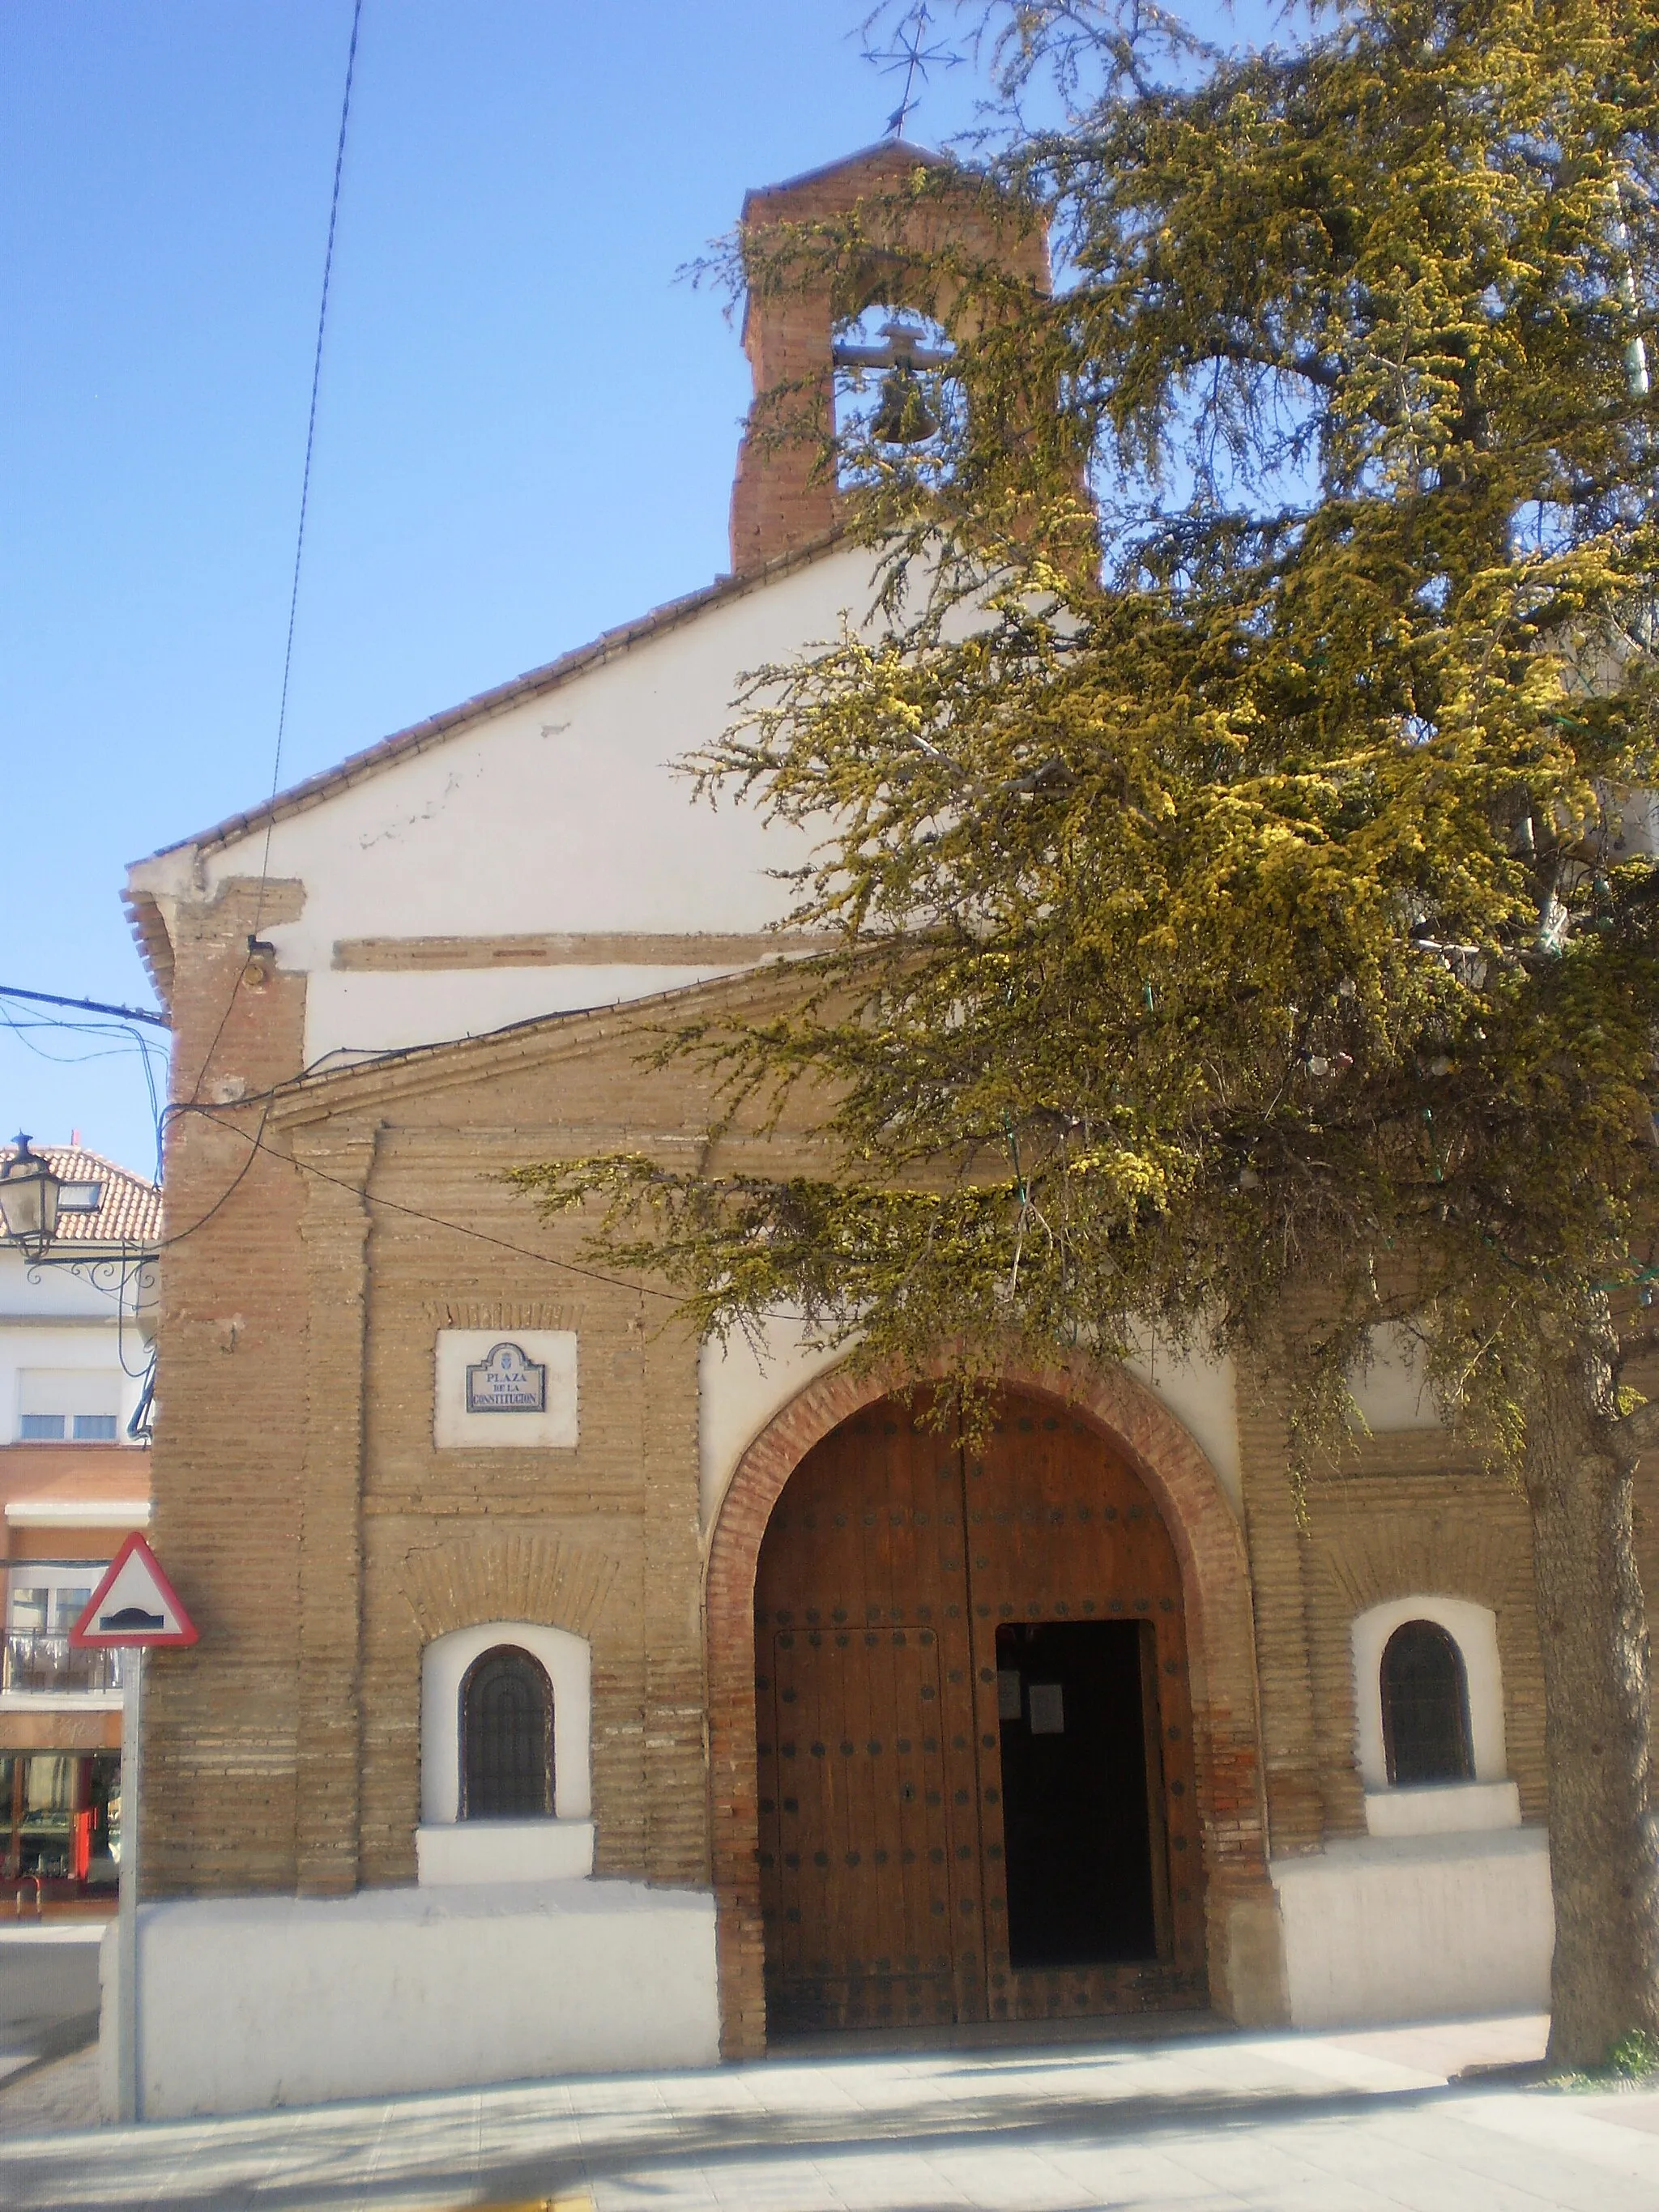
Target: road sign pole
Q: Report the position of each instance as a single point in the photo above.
(128, 2070)
(134, 1609)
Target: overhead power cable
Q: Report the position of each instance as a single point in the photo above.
(311, 425)
(300, 532)
(85, 1006)
(140, 1014)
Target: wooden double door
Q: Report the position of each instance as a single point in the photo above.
(974, 1729)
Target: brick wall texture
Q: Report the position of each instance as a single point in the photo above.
(332, 1227)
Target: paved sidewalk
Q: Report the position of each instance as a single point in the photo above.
(1341, 2123)
(48, 1989)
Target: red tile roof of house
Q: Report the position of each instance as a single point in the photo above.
(129, 1210)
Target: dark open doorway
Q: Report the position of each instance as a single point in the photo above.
(1085, 1883)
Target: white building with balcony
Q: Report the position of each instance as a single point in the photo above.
(75, 1362)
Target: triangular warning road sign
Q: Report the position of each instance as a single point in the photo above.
(134, 1606)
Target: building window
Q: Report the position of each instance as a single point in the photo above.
(446, 1665)
(1425, 1707)
(507, 1737)
(55, 1595)
(80, 1197)
(45, 1599)
(57, 1404)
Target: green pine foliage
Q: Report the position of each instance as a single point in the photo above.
(1243, 905)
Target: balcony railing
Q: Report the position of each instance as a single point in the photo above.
(40, 1664)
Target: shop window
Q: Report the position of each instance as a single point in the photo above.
(1425, 1707)
(60, 1816)
(507, 1758)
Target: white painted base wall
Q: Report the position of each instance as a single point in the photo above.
(503, 1850)
(249, 2002)
(1445, 1808)
(1417, 1927)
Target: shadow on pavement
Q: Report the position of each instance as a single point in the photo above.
(381, 2154)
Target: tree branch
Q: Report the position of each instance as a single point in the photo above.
(1638, 1431)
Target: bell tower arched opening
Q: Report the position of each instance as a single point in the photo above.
(907, 203)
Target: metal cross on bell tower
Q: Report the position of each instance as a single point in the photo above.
(910, 52)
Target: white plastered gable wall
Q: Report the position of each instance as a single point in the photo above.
(561, 813)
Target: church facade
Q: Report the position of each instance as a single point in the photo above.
(572, 1694)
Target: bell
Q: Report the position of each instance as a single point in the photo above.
(902, 417)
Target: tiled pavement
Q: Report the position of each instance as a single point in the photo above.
(1339, 2123)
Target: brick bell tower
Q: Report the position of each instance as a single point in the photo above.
(784, 496)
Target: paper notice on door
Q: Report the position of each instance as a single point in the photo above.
(1047, 1701)
(1008, 1704)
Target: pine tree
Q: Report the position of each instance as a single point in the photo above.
(1252, 911)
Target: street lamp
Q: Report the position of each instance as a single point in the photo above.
(28, 1200)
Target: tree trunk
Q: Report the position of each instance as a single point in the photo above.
(1604, 1852)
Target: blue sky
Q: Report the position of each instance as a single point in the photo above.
(526, 426)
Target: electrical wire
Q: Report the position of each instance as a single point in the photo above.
(85, 1006)
(126, 1017)
(134, 1039)
(256, 1142)
(255, 1145)
(299, 534)
(311, 434)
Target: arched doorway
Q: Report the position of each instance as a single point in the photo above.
(973, 1728)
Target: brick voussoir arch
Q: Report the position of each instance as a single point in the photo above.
(508, 1577)
(1221, 1649)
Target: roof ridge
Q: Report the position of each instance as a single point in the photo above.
(917, 157)
(8, 1150)
(415, 737)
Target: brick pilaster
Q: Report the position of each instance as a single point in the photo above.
(219, 1742)
(335, 1234)
(677, 1798)
(1279, 1547)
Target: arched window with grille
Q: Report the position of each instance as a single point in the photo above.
(507, 1737)
(1425, 1706)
